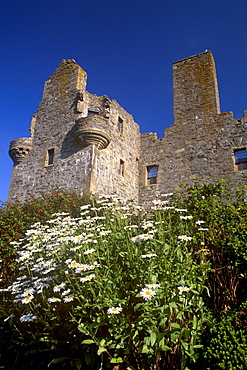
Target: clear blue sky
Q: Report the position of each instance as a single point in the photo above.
(126, 47)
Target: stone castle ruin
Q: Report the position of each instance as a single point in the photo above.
(90, 144)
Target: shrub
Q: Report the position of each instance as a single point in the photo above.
(109, 288)
(16, 218)
(225, 216)
(227, 343)
(101, 286)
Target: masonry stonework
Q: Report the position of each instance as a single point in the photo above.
(90, 144)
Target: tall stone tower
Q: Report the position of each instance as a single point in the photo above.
(77, 140)
(195, 89)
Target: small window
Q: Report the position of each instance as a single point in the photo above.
(50, 157)
(240, 157)
(137, 163)
(121, 167)
(120, 125)
(152, 172)
(92, 112)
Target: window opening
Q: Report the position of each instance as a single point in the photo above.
(152, 172)
(121, 167)
(240, 156)
(120, 125)
(137, 163)
(92, 112)
(50, 158)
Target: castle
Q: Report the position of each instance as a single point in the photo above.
(89, 143)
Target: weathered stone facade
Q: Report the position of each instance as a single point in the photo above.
(91, 144)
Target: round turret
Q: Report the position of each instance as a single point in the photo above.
(19, 149)
(92, 130)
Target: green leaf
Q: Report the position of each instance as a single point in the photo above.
(165, 348)
(116, 360)
(175, 325)
(137, 306)
(60, 359)
(185, 345)
(172, 304)
(163, 321)
(144, 349)
(78, 363)
(194, 322)
(82, 329)
(101, 350)
(153, 338)
(87, 341)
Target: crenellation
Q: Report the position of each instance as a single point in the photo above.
(90, 143)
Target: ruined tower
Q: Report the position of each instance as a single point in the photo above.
(77, 140)
(90, 143)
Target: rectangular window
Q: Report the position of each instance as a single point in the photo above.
(92, 112)
(121, 167)
(152, 172)
(240, 156)
(50, 157)
(120, 125)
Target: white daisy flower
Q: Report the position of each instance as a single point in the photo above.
(152, 286)
(53, 299)
(29, 317)
(57, 288)
(147, 293)
(114, 310)
(82, 267)
(148, 255)
(87, 278)
(186, 217)
(146, 236)
(86, 206)
(136, 239)
(88, 251)
(96, 264)
(27, 299)
(104, 232)
(69, 298)
(204, 250)
(28, 292)
(184, 238)
(200, 222)
(66, 292)
(183, 289)
(73, 264)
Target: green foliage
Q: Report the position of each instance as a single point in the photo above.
(226, 239)
(142, 305)
(227, 343)
(16, 218)
(99, 286)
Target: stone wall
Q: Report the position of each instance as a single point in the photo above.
(90, 143)
(201, 144)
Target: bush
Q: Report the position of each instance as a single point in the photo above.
(101, 286)
(16, 218)
(227, 347)
(225, 216)
(108, 288)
